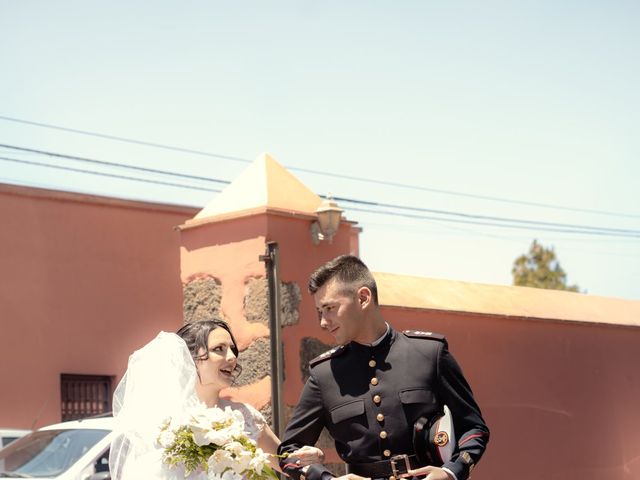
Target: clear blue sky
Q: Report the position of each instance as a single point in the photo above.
(528, 101)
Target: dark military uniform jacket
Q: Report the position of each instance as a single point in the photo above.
(369, 398)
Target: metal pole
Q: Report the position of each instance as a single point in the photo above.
(270, 258)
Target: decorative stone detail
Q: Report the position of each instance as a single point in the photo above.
(267, 414)
(287, 411)
(202, 300)
(255, 362)
(290, 302)
(310, 348)
(256, 302)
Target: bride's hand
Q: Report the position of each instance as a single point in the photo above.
(307, 455)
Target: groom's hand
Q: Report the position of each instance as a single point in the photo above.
(432, 473)
(306, 456)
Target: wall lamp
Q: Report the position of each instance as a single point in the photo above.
(326, 226)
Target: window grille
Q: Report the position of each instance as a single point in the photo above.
(84, 395)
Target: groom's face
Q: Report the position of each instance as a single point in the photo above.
(339, 312)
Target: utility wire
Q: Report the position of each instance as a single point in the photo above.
(342, 199)
(104, 174)
(469, 218)
(484, 217)
(501, 225)
(128, 140)
(112, 164)
(470, 195)
(317, 172)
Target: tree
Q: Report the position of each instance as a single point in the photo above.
(540, 269)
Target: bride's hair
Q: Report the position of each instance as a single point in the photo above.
(196, 336)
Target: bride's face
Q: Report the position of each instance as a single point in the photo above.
(218, 368)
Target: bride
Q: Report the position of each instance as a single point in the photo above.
(170, 374)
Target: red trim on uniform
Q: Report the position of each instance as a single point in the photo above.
(475, 435)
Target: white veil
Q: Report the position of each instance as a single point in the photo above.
(159, 382)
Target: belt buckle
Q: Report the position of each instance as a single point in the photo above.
(394, 464)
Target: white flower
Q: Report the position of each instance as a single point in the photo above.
(234, 447)
(220, 461)
(228, 475)
(242, 461)
(166, 438)
(258, 461)
(220, 431)
(216, 426)
(205, 436)
(231, 475)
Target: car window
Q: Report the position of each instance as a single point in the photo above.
(7, 440)
(102, 463)
(48, 453)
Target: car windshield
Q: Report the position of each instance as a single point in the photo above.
(47, 453)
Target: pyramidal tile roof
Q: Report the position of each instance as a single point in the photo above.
(265, 183)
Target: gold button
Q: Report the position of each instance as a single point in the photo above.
(387, 453)
(372, 363)
(377, 399)
(380, 417)
(383, 434)
(374, 381)
(392, 477)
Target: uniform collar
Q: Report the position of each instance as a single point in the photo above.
(380, 340)
(380, 343)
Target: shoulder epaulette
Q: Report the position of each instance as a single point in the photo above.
(425, 335)
(334, 352)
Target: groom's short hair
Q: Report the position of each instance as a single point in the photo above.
(349, 270)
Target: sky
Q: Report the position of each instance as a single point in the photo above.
(511, 109)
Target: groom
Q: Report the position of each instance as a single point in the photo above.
(376, 387)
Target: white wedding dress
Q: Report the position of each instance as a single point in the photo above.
(159, 383)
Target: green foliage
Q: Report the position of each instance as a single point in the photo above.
(185, 451)
(540, 269)
(267, 472)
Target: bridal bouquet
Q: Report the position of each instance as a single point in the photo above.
(214, 441)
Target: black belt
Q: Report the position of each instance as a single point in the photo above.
(395, 466)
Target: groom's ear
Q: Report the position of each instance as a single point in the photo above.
(364, 297)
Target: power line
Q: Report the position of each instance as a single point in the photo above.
(104, 174)
(471, 195)
(484, 217)
(468, 218)
(113, 164)
(127, 140)
(632, 234)
(327, 174)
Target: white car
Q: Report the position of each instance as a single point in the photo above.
(77, 450)
(8, 435)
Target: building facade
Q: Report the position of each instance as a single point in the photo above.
(86, 280)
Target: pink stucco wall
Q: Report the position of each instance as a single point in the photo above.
(229, 250)
(560, 398)
(85, 281)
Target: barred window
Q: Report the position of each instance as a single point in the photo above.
(84, 395)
